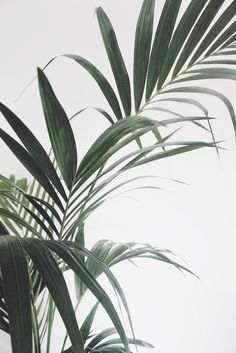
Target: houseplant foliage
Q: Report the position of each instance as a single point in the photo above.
(42, 222)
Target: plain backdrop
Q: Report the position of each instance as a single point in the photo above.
(175, 311)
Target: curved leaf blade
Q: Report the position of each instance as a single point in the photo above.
(221, 39)
(79, 268)
(102, 82)
(59, 130)
(17, 293)
(143, 38)
(197, 33)
(218, 26)
(33, 146)
(161, 42)
(199, 89)
(116, 60)
(184, 26)
(54, 281)
(31, 165)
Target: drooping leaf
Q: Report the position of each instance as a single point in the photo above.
(102, 82)
(143, 38)
(33, 146)
(116, 60)
(78, 267)
(56, 285)
(31, 165)
(161, 41)
(203, 90)
(18, 220)
(59, 130)
(110, 137)
(17, 293)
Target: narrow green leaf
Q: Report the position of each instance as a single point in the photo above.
(161, 42)
(143, 38)
(102, 82)
(59, 130)
(53, 279)
(137, 342)
(33, 146)
(100, 337)
(87, 324)
(218, 26)
(203, 90)
(19, 220)
(79, 268)
(17, 293)
(220, 62)
(116, 61)
(180, 34)
(197, 33)
(30, 164)
(110, 137)
(221, 39)
(228, 43)
(179, 150)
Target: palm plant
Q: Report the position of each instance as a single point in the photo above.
(42, 221)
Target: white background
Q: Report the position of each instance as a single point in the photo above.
(175, 311)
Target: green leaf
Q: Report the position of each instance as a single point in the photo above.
(161, 42)
(53, 279)
(79, 268)
(197, 33)
(17, 219)
(218, 26)
(59, 130)
(30, 164)
(33, 146)
(100, 337)
(116, 61)
(221, 39)
(180, 34)
(17, 293)
(99, 110)
(143, 38)
(137, 342)
(203, 90)
(102, 82)
(87, 324)
(190, 146)
(109, 138)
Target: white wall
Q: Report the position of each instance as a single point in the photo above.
(175, 311)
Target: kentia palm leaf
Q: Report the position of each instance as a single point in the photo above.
(176, 48)
(185, 48)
